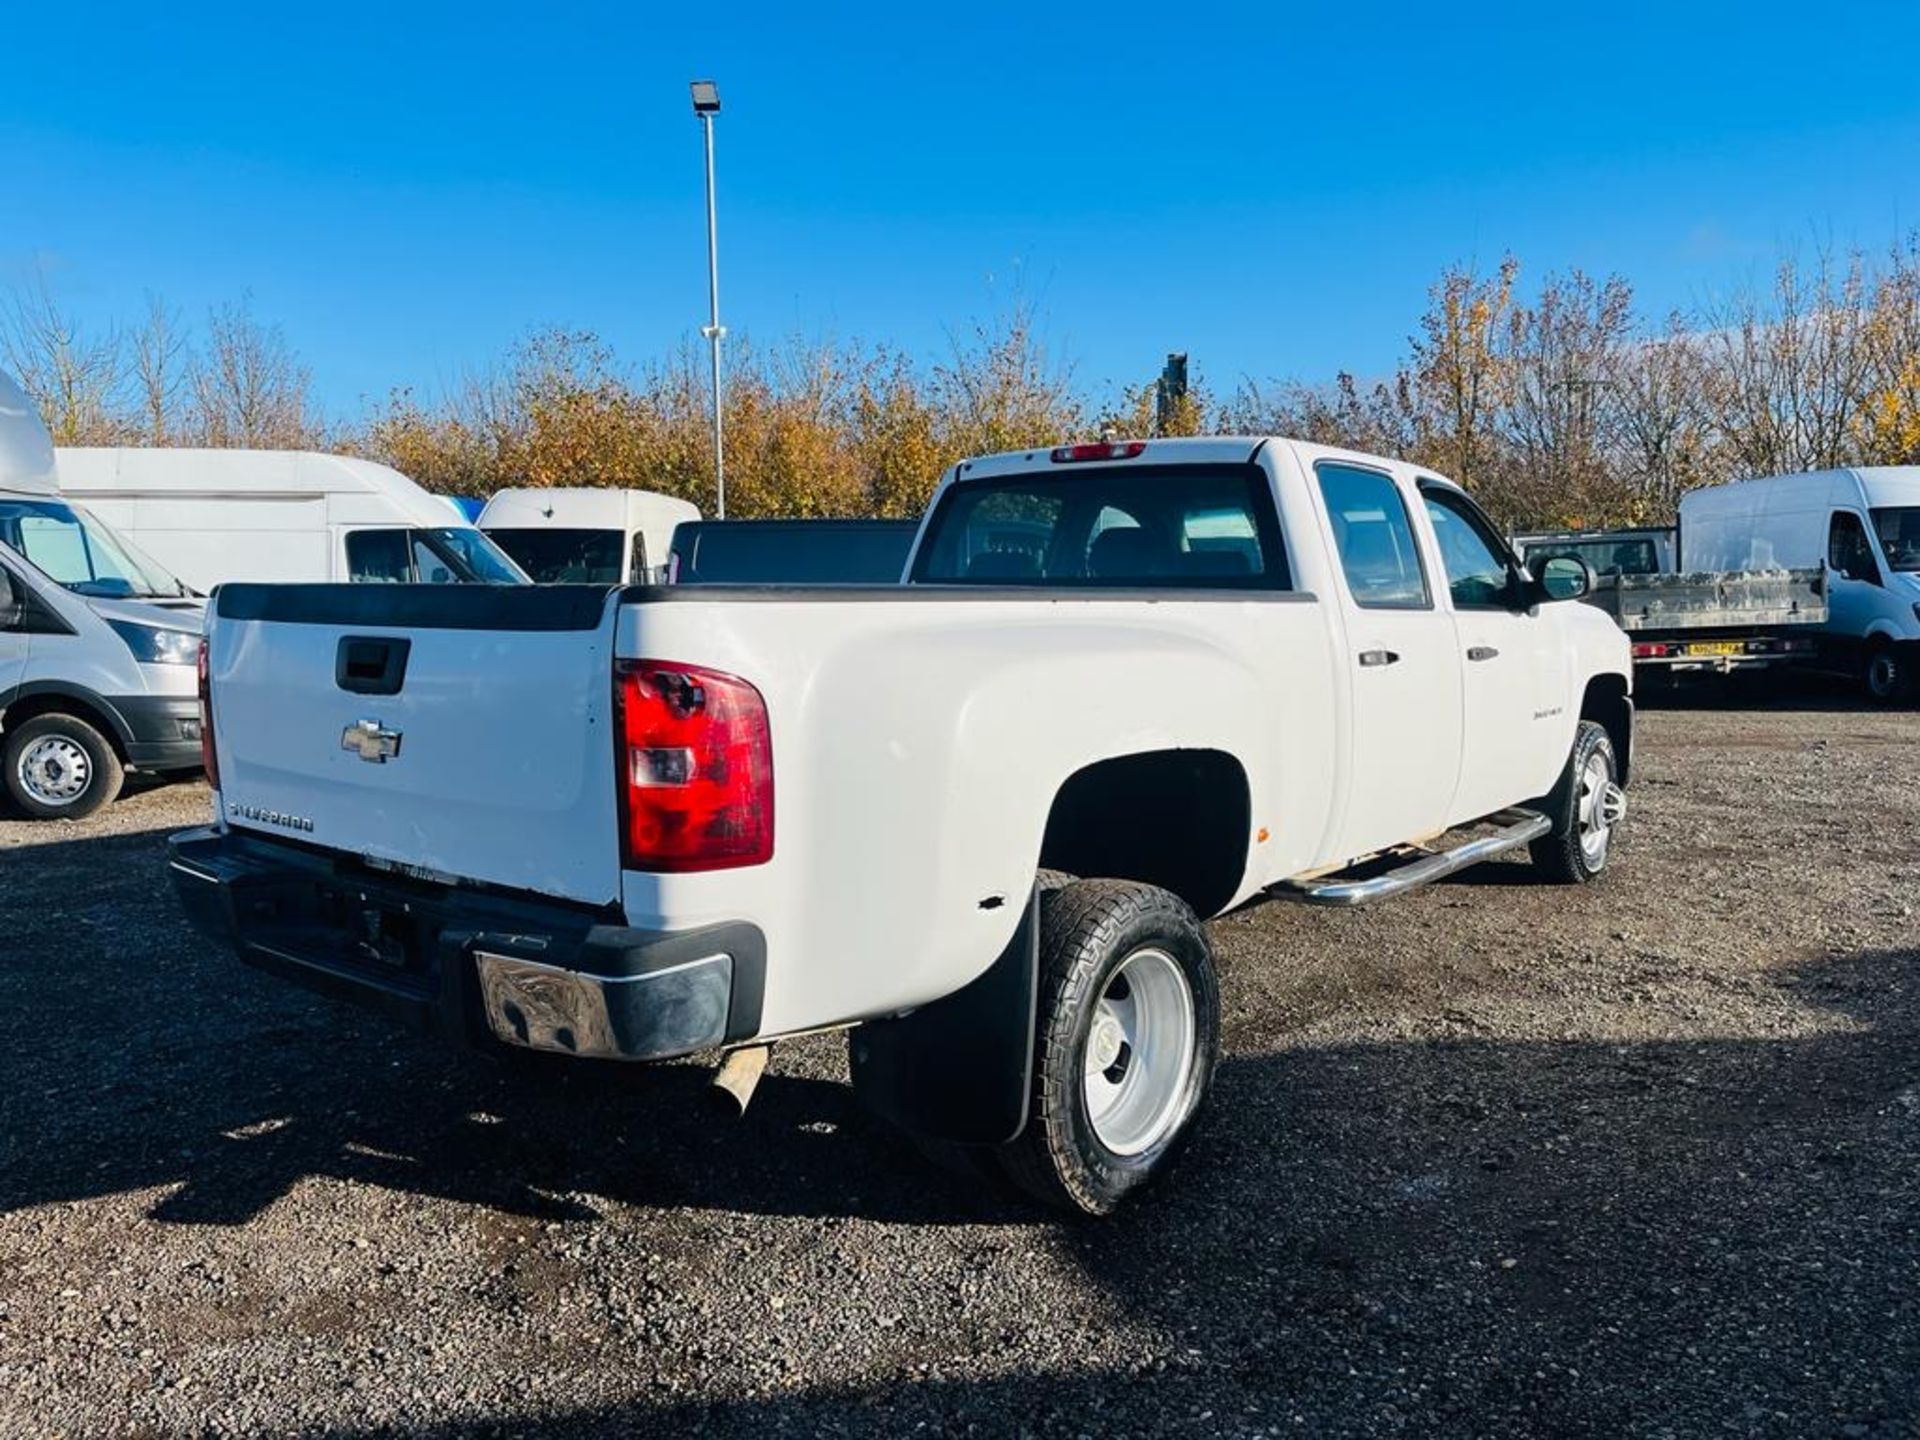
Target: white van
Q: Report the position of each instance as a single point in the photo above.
(586, 536)
(212, 516)
(98, 643)
(1861, 524)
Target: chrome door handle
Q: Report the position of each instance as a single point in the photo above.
(1370, 658)
(1482, 652)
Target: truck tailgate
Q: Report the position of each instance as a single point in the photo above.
(464, 730)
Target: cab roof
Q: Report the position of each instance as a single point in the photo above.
(1180, 450)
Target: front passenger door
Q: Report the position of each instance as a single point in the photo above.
(1856, 594)
(13, 637)
(1516, 731)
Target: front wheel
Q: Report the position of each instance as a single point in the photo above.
(1585, 807)
(1128, 1033)
(58, 767)
(1883, 675)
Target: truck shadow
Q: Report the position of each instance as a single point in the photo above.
(1352, 1222)
(1561, 1238)
(141, 1057)
(1809, 692)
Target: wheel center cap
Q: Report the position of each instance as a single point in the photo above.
(1106, 1041)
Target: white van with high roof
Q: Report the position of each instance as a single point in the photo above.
(1862, 524)
(98, 643)
(586, 536)
(212, 516)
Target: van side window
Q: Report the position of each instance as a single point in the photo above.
(378, 557)
(1374, 538)
(1848, 550)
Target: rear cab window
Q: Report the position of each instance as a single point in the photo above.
(1194, 526)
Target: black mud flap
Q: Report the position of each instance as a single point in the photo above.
(959, 1069)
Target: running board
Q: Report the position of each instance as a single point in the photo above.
(1518, 827)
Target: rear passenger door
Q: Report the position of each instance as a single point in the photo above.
(1402, 671)
(1514, 665)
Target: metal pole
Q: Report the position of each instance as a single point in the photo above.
(714, 329)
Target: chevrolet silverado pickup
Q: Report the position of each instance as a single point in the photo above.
(974, 818)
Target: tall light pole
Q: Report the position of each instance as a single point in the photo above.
(706, 105)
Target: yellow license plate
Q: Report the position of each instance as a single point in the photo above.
(1717, 647)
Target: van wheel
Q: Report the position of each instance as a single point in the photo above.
(1128, 1033)
(1585, 807)
(59, 767)
(1883, 676)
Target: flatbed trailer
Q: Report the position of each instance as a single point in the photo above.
(1695, 621)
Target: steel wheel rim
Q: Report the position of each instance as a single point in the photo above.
(1601, 806)
(1139, 1050)
(54, 770)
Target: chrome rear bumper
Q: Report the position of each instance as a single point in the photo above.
(669, 1011)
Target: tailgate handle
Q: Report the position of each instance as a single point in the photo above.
(371, 664)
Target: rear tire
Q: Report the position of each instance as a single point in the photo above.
(58, 767)
(1585, 807)
(1128, 1034)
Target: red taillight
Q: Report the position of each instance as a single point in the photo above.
(696, 768)
(1102, 450)
(1651, 650)
(207, 760)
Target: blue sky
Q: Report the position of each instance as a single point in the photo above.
(409, 188)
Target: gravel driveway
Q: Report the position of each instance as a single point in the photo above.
(1637, 1159)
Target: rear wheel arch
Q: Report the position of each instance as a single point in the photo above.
(1176, 819)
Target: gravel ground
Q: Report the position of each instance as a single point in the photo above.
(1632, 1160)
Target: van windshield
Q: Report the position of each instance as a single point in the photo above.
(1633, 556)
(481, 559)
(564, 557)
(1898, 527)
(72, 548)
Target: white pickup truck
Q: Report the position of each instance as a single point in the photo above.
(977, 816)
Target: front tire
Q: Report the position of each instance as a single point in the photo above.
(58, 767)
(1128, 1034)
(1585, 808)
(1883, 674)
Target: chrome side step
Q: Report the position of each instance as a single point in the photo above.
(1518, 827)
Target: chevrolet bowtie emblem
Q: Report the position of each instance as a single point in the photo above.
(371, 741)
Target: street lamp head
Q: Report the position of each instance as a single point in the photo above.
(706, 97)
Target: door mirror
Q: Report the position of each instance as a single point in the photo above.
(12, 606)
(1562, 577)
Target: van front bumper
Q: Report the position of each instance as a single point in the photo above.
(478, 967)
(162, 731)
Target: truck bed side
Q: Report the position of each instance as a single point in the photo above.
(922, 736)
